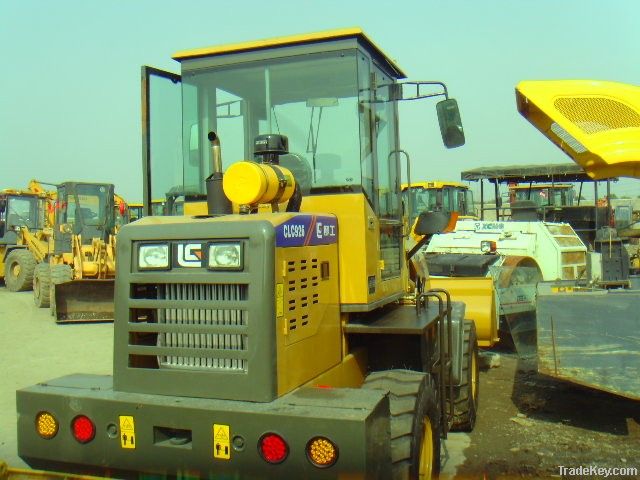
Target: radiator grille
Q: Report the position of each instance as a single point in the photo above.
(208, 332)
(190, 316)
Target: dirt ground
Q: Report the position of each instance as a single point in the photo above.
(529, 425)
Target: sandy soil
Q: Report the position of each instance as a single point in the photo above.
(530, 425)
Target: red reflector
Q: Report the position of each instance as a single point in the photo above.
(83, 429)
(273, 448)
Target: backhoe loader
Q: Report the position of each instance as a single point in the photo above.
(75, 277)
(282, 341)
(588, 327)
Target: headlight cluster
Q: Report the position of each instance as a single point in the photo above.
(220, 256)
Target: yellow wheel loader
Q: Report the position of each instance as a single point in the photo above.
(280, 341)
(435, 196)
(75, 278)
(24, 224)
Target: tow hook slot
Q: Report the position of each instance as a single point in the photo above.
(172, 437)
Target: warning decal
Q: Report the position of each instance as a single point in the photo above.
(221, 442)
(127, 432)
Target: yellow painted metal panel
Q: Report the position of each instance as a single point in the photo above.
(349, 373)
(596, 123)
(308, 335)
(358, 247)
(324, 36)
(479, 296)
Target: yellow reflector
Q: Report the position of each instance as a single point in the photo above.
(46, 425)
(322, 452)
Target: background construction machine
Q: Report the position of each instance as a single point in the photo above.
(437, 196)
(75, 277)
(24, 215)
(545, 192)
(279, 342)
(588, 329)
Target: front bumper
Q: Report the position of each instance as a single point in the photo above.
(175, 435)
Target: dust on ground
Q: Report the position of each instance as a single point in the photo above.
(529, 425)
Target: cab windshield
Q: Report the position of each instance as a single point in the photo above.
(312, 99)
(91, 204)
(548, 196)
(447, 199)
(23, 212)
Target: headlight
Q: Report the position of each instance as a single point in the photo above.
(153, 256)
(488, 246)
(225, 256)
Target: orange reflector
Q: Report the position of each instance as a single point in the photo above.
(46, 425)
(322, 452)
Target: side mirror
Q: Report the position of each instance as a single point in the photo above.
(450, 123)
(3, 205)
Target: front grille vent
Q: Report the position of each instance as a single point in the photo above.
(209, 332)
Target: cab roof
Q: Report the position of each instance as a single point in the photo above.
(436, 184)
(291, 40)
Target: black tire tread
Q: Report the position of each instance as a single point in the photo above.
(464, 411)
(27, 263)
(42, 291)
(403, 387)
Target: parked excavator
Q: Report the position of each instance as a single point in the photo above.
(588, 327)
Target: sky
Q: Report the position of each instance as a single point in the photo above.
(70, 81)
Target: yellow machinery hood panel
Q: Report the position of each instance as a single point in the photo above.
(596, 123)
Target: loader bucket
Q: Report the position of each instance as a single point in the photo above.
(83, 301)
(479, 296)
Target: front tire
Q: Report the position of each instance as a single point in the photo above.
(19, 267)
(60, 273)
(466, 395)
(415, 422)
(42, 285)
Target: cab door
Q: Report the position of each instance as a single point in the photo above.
(161, 135)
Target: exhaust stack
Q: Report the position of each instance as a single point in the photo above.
(217, 201)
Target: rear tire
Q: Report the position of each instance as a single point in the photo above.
(42, 285)
(60, 273)
(18, 269)
(414, 422)
(466, 395)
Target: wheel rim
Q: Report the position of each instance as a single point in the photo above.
(425, 459)
(15, 270)
(474, 377)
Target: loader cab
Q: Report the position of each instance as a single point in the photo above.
(334, 96)
(85, 210)
(545, 196)
(19, 210)
(438, 197)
